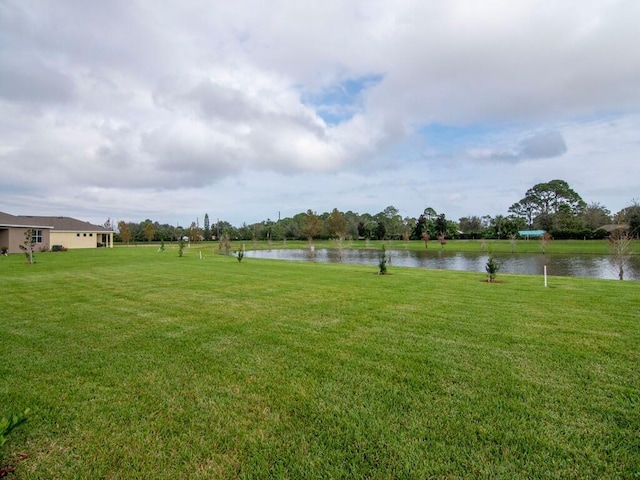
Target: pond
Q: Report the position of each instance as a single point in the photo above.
(594, 266)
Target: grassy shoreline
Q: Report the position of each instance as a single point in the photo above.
(139, 364)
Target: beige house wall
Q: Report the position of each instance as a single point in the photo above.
(14, 237)
(80, 239)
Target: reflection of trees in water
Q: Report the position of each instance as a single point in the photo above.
(593, 266)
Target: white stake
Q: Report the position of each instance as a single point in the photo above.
(545, 275)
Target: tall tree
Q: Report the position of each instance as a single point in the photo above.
(207, 227)
(149, 231)
(392, 221)
(290, 229)
(420, 228)
(631, 216)
(525, 208)
(595, 216)
(337, 224)
(471, 225)
(353, 220)
(548, 199)
(195, 232)
(430, 214)
(441, 224)
(634, 223)
(125, 231)
(312, 226)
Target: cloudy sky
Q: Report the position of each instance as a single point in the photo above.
(249, 109)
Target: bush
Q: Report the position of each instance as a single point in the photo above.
(600, 234)
(382, 264)
(578, 234)
(492, 268)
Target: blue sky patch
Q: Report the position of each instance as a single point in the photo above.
(339, 102)
(446, 138)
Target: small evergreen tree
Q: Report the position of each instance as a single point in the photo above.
(382, 264)
(492, 267)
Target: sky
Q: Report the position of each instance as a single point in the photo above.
(253, 110)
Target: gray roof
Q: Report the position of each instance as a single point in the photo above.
(8, 220)
(612, 227)
(64, 224)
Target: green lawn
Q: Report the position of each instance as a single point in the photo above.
(139, 364)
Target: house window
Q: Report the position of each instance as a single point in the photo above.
(36, 236)
(91, 234)
(77, 234)
(84, 234)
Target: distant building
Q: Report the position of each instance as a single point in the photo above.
(613, 227)
(531, 233)
(49, 231)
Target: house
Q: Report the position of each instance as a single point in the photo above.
(49, 231)
(531, 233)
(622, 227)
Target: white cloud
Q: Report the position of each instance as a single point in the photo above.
(538, 145)
(148, 101)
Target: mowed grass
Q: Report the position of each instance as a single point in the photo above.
(139, 364)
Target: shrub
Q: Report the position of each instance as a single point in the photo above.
(492, 267)
(600, 234)
(382, 264)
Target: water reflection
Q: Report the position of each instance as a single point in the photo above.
(595, 266)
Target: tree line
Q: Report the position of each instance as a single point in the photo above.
(552, 206)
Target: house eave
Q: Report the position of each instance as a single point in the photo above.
(8, 225)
